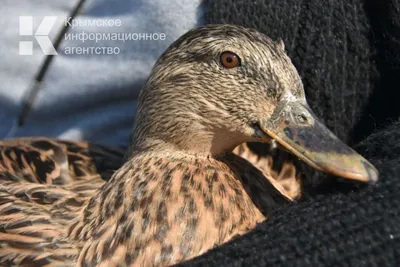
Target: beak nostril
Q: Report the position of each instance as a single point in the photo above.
(302, 118)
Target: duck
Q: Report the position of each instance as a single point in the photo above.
(180, 189)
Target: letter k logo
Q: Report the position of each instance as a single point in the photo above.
(41, 35)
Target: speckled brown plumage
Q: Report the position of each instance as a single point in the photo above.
(43, 184)
(53, 196)
(172, 209)
(53, 161)
(281, 168)
(180, 191)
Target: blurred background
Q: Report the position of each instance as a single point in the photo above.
(84, 93)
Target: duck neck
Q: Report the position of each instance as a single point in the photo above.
(200, 146)
(183, 135)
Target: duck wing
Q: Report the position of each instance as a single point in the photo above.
(281, 168)
(44, 183)
(53, 161)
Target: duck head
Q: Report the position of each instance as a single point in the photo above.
(222, 85)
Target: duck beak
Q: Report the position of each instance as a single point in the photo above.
(296, 128)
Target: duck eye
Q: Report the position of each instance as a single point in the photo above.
(230, 60)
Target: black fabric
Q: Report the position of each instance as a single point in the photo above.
(348, 54)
